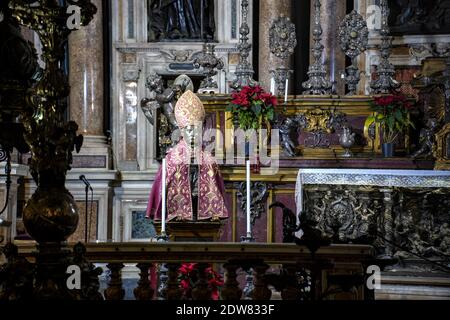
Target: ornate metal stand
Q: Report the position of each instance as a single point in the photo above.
(249, 278)
(244, 70)
(386, 71)
(353, 39)
(50, 216)
(318, 84)
(210, 64)
(163, 272)
(281, 75)
(282, 43)
(5, 155)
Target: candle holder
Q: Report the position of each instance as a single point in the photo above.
(318, 83)
(163, 237)
(162, 270)
(244, 70)
(281, 75)
(249, 286)
(385, 82)
(282, 43)
(248, 239)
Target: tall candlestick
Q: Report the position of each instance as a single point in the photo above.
(163, 197)
(286, 90)
(249, 227)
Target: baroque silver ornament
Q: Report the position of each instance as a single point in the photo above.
(282, 38)
(353, 39)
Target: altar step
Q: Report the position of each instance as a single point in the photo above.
(413, 288)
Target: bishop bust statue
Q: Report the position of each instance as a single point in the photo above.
(195, 189)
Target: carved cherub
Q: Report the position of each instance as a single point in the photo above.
(286, 129)
(427, 139)
(165, 99)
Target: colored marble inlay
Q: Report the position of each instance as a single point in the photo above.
(141, 228)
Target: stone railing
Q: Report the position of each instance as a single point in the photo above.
(250, 270)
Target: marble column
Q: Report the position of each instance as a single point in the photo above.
(87, 90)
(269, 11)
(332, 12)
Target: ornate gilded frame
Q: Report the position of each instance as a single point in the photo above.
(442, 158)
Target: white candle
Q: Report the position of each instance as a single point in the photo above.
(301, 194)
(249, 230)
(163, 197)
(286, 90)
(299, 191)
(272, 86)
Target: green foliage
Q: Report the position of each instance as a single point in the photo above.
(252, 107)
(392, 114)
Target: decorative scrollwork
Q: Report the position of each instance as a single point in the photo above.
(344, 214)
(318, 122)
(421, 225)
(259, 194)
(3, 154)
(282, 38)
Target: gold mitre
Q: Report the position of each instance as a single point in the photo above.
(189, 110)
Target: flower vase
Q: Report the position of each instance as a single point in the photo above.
(388, 150)
(256, 167)
(256, 164)
(247, 150)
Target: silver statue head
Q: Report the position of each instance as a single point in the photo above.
(184, 82)
(192, 135)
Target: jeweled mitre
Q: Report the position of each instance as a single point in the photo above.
(189, 110)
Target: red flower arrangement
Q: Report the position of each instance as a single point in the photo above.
(188, 277)
(251, 106)
(392, 113)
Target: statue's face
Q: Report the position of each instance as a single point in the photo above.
(191, 135)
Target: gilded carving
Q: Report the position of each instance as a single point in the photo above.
(318, 122)
(259, 197)
(442, 149)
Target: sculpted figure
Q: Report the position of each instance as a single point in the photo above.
(165, 100)
(195, 189)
